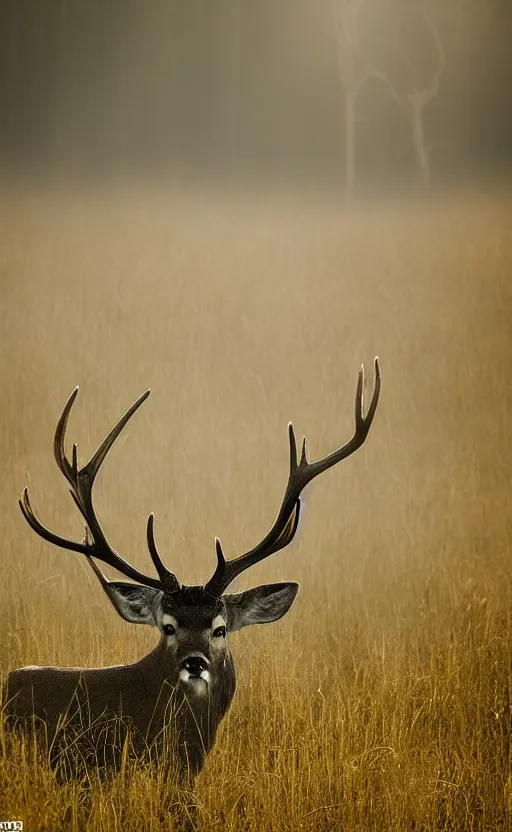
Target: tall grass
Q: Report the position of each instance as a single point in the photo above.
(382, 700)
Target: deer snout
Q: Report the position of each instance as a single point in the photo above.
(195, 667)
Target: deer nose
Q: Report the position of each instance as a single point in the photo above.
(195, 665)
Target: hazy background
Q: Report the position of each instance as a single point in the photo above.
(231, 88)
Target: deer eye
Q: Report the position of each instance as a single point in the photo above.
(219, 632)
(169, 630)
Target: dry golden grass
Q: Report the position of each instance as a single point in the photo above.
(381, 702)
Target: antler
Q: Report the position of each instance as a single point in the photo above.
(301, 473)
(81, 483)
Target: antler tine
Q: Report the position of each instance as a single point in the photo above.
(293, 447)
(81, 483)
(169, 580)
(42, 530)
(68, 470)
(301, 473)
(363, 421)
(85, 548)
(96, 460)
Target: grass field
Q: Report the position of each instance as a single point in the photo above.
(381, 702)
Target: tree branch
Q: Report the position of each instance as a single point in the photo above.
(429, 93)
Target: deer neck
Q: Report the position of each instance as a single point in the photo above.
(166, 703)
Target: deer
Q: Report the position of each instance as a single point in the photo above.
(170, 703)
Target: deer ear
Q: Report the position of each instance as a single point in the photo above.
(260, 605)
(133, 602)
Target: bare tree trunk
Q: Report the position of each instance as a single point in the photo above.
(418, 137)
(350, 143)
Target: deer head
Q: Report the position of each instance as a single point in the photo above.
(193, 620)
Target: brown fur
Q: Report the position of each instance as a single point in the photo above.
(105, 707)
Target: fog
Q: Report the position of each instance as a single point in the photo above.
(327, 91)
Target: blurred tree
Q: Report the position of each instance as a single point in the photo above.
(399, 44)
(421, 66)
(354, 70)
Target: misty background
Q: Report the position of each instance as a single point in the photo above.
(234, 88)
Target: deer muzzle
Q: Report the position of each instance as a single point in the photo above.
(195, 670)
